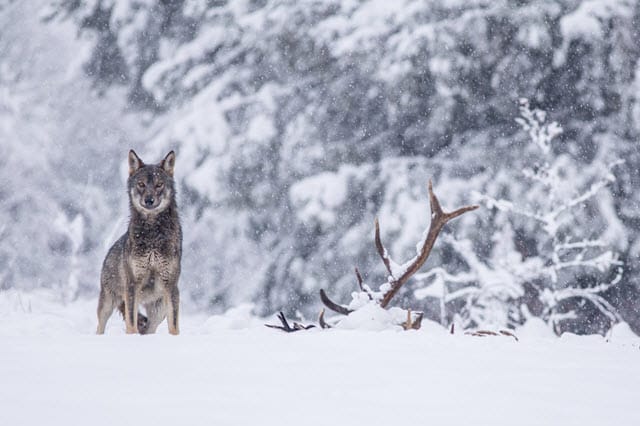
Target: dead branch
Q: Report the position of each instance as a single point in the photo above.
(508, 333)
(481, 333)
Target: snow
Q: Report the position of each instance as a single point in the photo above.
(230, 369)
(622, 333)
(155, 79)
(589, 21)
(371, 317)
(317, 198)
(295, 124)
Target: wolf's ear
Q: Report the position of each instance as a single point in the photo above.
(168, 163)
(134, 162)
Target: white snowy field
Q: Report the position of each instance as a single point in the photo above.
(231, 370)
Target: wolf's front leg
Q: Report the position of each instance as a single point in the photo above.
(131, 307)
(172, 302)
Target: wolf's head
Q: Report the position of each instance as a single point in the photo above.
(151, 187)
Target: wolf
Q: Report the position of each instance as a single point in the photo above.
(143, 266)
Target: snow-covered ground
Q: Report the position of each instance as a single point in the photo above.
(231, 370)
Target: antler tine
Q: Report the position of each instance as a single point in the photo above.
(286, 327)
(285, 324)
(434, 203)
(460, 212)
(361, 285)
(360, 280)
(436, 208)
(333, 305)
(384, 255)
(323, 323)
(438, 219)
(418, 321)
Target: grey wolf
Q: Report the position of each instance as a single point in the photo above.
(143, 266)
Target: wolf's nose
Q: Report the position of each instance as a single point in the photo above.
(148, 201)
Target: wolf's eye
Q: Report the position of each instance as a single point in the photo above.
(140, 184)
(159, 185)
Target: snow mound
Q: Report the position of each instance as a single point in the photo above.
(535, 328)
(371, 317)
(622, 333)
(238, 318)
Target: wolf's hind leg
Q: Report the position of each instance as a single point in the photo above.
(156, 313)
(106, 304)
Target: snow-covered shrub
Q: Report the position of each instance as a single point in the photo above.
(562, 270)
(569, 207)
(486, 293)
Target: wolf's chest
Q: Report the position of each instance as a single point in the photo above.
(150, 270)
(151, 261)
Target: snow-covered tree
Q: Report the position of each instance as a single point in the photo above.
(59, 151)
(271, 105)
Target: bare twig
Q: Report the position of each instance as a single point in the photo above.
(508, 333)
(485, 333)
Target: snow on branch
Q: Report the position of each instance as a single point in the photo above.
(562, 247)
(533, 122)
(585, 196)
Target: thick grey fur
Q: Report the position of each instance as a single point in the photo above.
(143, 266)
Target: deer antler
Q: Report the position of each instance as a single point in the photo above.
(439, 218)
(399, 275)
(286, 327)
